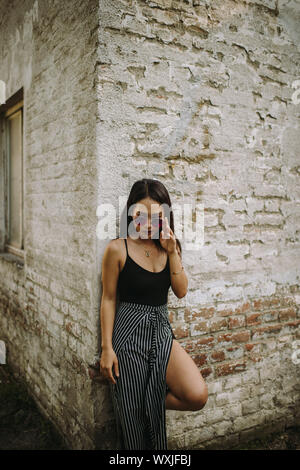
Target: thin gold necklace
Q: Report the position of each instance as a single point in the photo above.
(147, 252)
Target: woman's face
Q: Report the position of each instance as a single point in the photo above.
(147, 218)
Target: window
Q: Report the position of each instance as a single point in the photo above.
(13, 181)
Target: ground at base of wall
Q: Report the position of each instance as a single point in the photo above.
(283, 440)
(22, 427)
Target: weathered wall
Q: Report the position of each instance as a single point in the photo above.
(49, 312)
(199, 95)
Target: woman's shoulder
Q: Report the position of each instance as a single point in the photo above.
(116, 247)
(113, 253)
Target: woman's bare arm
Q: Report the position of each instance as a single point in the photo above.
(110, 275)
(179, 282)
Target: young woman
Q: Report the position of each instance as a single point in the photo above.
(152, 371)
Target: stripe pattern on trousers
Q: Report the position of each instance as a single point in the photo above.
(142, 340)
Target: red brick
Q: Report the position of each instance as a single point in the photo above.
(244, 308)
(262, 304)
(255, 357)
(238, 310)
(218, 355)
(230, 368)
(200, 359)
(236, 322)
(225, 312)
(217, 325)
(207, 312)
(206, 340)
(194, 345)
(194, 315)
(201, 326)
(190, 346)
(181, 331)
(206, 372)
(287, 313)
(235, 337)
(253, 319)
(267, 329)
(291, 323)
(187, 314)
(255, 352)
(255, 347)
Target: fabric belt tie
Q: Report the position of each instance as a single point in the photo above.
(155, 317)
(155, 393)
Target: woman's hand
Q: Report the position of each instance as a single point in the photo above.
(169, 240)
(108, 359)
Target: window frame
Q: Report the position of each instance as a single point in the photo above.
(13, 109)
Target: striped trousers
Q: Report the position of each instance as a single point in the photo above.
(142, 340)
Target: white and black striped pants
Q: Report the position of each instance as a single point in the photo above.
(142, 340)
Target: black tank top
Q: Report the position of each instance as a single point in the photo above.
(136, 284)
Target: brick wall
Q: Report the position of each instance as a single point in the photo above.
(199, 95)
(49, 308)
(203, 92)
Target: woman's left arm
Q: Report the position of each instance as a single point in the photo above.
(179, 280)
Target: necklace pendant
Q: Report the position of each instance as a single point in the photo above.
(147, 253)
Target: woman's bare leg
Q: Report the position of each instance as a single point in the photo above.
(173, 403)
(188, 390)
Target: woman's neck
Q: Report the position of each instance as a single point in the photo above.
(143, 241)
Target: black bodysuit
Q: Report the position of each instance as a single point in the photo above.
(139, 285)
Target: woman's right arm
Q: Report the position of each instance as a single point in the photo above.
(110, 275)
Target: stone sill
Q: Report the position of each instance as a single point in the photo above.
(12, 259)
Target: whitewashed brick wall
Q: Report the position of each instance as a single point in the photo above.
(201, 95)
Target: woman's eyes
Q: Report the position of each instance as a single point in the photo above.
(154, 219)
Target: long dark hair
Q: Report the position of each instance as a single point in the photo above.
(155, 190)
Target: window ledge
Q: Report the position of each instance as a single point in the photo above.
(11, 258)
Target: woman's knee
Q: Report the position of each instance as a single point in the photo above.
(197, 398)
